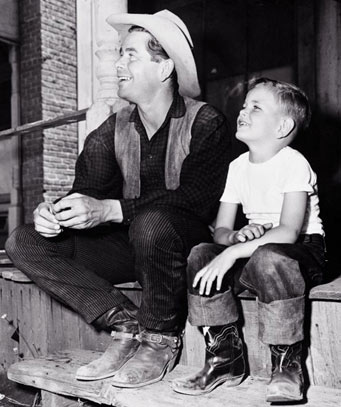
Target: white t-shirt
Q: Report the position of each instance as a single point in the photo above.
(260, 188)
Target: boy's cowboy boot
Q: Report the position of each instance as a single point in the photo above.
(286, 382)
(155, 357)
(224, 362)
(124, 326)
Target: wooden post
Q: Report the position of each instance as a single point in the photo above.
(15, 208)
(108, 45)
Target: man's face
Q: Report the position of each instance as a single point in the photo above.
(260, 117)
(138, 75)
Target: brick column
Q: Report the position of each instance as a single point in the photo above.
(48, 89)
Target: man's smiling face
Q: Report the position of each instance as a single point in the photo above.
(138, 74)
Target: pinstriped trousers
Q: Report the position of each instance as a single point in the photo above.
(79, 268)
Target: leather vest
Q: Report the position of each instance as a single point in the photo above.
(128, 150)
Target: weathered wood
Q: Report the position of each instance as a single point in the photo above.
(258, 354)
(329, 291)
(46, 326)
(56, 374)
(3, 256)
(54, 400)
(67, 118)
(11, 273)
(325, 344)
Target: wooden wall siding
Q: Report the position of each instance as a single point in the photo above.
(46, 325)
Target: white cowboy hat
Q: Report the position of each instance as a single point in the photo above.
(173, 35)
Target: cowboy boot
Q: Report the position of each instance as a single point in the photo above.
(286, 383)
(124, 326)
(224, 362)
(155, 357)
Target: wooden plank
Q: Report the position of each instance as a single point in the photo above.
(67, 118)
(56, 374)
(257, 353)
(193, 352)
(325, 344)
(11, 273)
(329, 291)
(8, 347)
(4, 258)
(54, 400)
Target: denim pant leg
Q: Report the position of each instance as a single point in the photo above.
(218, 308)
(277, 274)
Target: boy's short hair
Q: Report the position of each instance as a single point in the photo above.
(291, 99)
(157, 52)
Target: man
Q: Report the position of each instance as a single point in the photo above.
(147, 184)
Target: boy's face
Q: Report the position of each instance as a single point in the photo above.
(260, 118)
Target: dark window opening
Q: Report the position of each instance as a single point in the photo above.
(5, 87)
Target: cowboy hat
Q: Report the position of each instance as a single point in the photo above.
(173, 35)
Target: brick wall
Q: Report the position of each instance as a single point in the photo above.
(48, 89)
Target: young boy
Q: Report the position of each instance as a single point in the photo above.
(278, 255)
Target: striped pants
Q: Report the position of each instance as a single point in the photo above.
(79, 268)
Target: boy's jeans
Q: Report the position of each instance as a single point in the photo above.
(278, 274)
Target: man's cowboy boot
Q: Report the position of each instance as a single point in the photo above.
(121, 321)
(155, 357)
(224, 362)
(286, 382)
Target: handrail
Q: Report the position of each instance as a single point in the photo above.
(67, 118)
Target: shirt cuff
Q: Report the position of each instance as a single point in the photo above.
(128, 210)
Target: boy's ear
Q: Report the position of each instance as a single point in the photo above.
(167, 66)
(286, 127)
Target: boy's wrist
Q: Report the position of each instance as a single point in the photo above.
(231, 252)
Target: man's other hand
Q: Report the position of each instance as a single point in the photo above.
(78, 211)
(45, 221)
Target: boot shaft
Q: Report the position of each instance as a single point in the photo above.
(223, 341)
(287, 357)
(121, 318)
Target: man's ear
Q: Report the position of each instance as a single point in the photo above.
(286, 127)
(167, 66)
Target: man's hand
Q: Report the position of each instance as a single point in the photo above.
(78, 211)
(45, 221)
(215, 270)
(250, 232)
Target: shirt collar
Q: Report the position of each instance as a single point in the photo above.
(177, 109)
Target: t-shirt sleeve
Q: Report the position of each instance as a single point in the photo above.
(299, 177)
(231, 193)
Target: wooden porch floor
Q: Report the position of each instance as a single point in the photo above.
(55, 374)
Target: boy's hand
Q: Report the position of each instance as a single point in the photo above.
(215, 270)
(250, 232)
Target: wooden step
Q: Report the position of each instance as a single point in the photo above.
(4, 259)
(330, 291)
(56, 374)
(13, 274)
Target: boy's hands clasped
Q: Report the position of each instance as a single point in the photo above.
(250, 232)
(220, 265)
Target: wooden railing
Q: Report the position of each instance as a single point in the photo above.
(66, 118)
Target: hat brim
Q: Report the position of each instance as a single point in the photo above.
(172, 39)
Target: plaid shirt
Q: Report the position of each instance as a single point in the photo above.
(203, 172)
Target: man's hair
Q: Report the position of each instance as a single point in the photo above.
(157, 53)
(292, 100)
